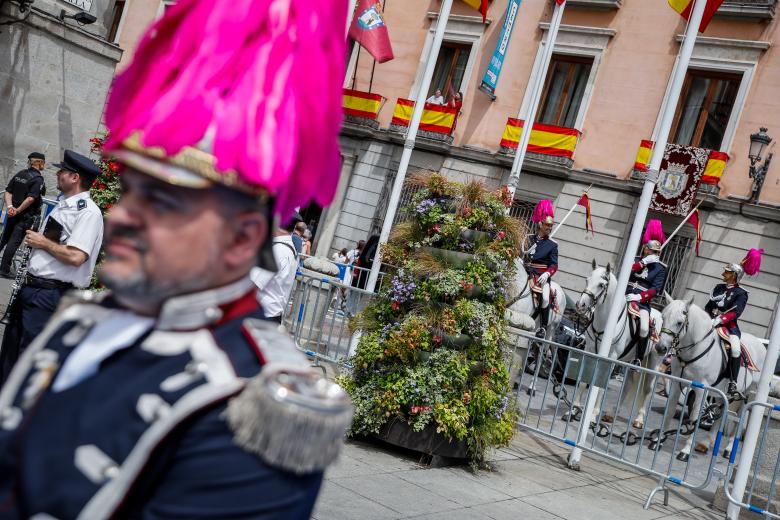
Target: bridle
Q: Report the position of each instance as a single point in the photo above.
(597, 300)
(678, 350)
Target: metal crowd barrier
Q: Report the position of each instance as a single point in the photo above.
(318, 314)
(552, 379)
(761, 495)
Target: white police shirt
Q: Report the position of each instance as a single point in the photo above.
(82, 228)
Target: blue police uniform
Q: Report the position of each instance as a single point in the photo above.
(728, 301)
(171, 421)
(646, 281)
(541, 256)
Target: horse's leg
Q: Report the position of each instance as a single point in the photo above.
(671, 406)
(731, 427)
(685, 452)
(649, 382)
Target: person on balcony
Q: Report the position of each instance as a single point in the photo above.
(436, 98)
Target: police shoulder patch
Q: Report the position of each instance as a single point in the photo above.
(81, 204)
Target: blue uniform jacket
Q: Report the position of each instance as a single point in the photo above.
(730, 302)
(647, 281)
(541, 256)
(145, 436)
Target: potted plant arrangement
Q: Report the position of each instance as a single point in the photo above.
(430, 370)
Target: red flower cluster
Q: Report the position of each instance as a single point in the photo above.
(420, 409)
(501, 235)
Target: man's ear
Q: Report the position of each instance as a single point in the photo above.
(249, 231)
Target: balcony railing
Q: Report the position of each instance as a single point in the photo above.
(437, 123)
(747, 9)
(362, 108)
(549, 143)
(595, 5)
(713, 171)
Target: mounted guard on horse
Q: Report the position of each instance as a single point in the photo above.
(541, 263)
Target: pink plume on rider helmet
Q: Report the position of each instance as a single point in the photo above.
(752, 261)
(654, 231)
(255, 84)
(543, 209)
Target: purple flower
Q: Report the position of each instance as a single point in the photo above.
(425, 205)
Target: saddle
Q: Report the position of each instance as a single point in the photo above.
(536, 291)
(725, 344)
(634, 310)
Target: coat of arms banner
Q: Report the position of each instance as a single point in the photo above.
(679, 179)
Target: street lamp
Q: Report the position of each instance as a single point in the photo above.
(758, 142)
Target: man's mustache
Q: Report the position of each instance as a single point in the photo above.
(128, 234)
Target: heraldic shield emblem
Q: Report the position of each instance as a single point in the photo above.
(679, 179)
(370, 18)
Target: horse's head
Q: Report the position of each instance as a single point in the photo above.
(596, 288)
(675, 323)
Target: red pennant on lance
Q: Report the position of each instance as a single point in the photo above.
(696, 223)
(678, 181)
(559, 2)
(585, 203)
(369, 30)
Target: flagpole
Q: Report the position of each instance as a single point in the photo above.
(411, 136)
(668, 111)
(350, 15)
(536, 83)
(687, 217)
(576, 203)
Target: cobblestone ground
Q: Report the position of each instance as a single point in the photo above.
(529, 481)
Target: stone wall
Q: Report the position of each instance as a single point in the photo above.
(53, 79)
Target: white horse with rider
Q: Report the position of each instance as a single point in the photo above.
(594, 304)
(700, 342)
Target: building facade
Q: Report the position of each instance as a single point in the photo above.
(54, 75)
(603, 92)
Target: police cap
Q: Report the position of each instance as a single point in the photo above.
(75, 162)
(36, 155)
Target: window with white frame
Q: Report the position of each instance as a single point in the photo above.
(564, 90)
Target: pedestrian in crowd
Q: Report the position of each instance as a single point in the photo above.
(171, 396)
(63, 257)
(23, 202)
(297, 236)
(437, 98)
(340, 257)
(353, 255)
(275, 293)
(307, 242)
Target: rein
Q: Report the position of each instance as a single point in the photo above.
(591, 311)
(678, 350)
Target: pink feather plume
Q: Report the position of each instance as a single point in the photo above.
(260, 78)
(654, 231)
(752, 262)
(543, 209)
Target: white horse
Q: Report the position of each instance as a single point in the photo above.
(522, 304)
(594, 303)
(699, 357)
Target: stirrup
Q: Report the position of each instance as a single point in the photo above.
(734, 394)
(637, 362)
(541, 332)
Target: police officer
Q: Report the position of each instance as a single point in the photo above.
(170, 396)
(64, 256)
(23, 200)
(541, 261)
(648, 276)
(726, 304)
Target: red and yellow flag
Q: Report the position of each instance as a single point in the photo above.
(585, 203)
(481, 6)
(362, 104)
(694, 221)
(546, 139)
(684, 7)
(435, 118)
(715, 166)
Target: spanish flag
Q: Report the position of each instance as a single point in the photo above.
(481, 6)
(684, 7)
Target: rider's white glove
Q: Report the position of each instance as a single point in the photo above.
(716, 322)
(633, 297)
(650, 259)
(543, 278)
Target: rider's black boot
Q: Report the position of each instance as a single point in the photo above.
(641, 350)
(544, 320)
(734, 365)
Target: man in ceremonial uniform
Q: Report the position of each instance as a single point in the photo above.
(541, 261)
(169, 396)
(23, 202)
(63, 257)
(726, 304)
(648, 276)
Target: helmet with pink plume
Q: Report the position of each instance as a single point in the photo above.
(750, 265)
(242, 93)
(654, 236)
(543, 212)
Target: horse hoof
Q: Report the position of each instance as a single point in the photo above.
(574, 466)
(654, 445)
(726, 454)
(607, 418)
(683, 457)
(531, 392)
(638, 424)
(701, 448)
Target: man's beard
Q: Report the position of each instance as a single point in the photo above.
(140, 287)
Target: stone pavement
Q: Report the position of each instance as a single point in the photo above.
(530, 481)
